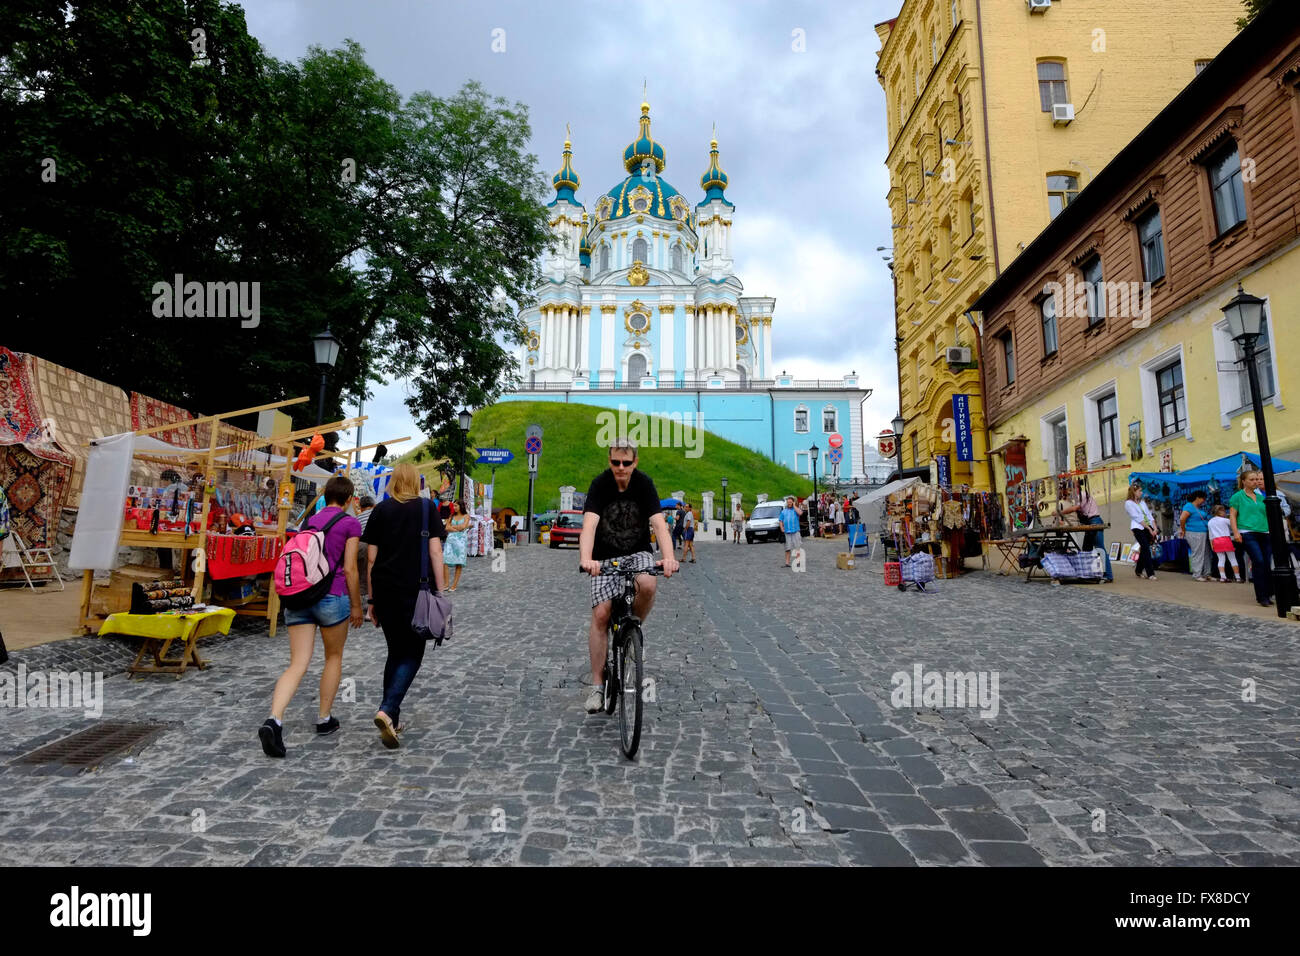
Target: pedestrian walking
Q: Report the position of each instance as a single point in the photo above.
(1219, 529)
(837, 516)
(789, 519)
(679, 527)
(1250, 528)
(333, 614)
(394, 538)
(365, 504)
(457, 545)
(1143, 525)
(688, 534)
(1089, 513)
(1193, 526)
(737, 524)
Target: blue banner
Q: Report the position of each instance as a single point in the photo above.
(961, 423)
(494, 456)
(945, 479)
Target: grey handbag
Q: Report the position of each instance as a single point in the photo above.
(432, 618)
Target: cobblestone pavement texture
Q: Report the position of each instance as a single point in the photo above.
(771, 737)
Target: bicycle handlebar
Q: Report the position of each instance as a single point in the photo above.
(609, 572)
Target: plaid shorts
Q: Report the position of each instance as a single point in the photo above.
(606, 587)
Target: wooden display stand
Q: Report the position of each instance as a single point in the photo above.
(186, 543)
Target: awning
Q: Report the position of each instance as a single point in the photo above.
(1176, 486)
(885, 490)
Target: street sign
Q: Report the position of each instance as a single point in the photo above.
(532, 464)
(533, 431)
(495, 456)
(885, 442)
(533, 445)
(836, 454)
(836, 440)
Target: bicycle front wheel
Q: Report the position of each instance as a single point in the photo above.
(629, 699)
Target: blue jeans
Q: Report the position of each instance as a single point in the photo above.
(1261, 563)
(1097, 539)
(405, 650)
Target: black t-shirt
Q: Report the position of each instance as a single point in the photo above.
(394, 527)
(624, 516)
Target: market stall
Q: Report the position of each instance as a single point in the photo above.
(944, 522)
(227, 505)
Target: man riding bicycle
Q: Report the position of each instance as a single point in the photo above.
(622, 506)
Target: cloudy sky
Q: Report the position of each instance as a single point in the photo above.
(790, 85)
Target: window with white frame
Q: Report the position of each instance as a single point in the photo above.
(801, 419)
(677, 257)
(1101, 423)
(604, 257)
(1047, 316)
(1056, 441)
(640, 250)
(1234, 384)
(1164, 399)
(1226, 190)
(830, 419)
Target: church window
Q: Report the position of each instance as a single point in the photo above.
(677, 257)
(639, 253)
(801, 419)
(638, 321)
(604, 257)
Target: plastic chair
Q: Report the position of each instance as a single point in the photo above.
(28, 558)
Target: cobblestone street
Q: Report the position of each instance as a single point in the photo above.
(1121, 735)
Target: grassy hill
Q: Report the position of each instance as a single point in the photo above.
(570, 456)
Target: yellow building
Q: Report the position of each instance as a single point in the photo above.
(999, 112)
(1110, 349)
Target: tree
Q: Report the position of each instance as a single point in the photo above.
(1253, 9)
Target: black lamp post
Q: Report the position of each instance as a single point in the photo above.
(814, 451)
(327, 353)
(899, 424)
(725, 516)
(1245, 314)
(465, 420)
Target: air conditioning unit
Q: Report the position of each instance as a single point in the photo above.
(957, 356)
(1039, 6)
(1062, 114)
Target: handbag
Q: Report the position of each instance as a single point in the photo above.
(432, 618)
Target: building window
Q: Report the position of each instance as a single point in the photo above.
(918, 82)
(1047, 316)
(1094, 290)
(1051, 84)
(966, 211)
(1061, 191)
(1263, 368)
(934, 50)
(1201, 65)
(945, 239)
(677, 257)
(956, 17)
(1108, 425)
(1056, 442)
(927, 265)
(961, 114)
(829, 421)
(1151, 240)
(916, 460)
(1008, 357)
(801, 420)
(604, 257)
(640, 251)
(1173, 404)
(1226, 190)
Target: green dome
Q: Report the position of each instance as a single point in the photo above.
(644, 147)
(656, 193)
(566, 180)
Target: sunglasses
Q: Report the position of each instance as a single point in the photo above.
(621, 463)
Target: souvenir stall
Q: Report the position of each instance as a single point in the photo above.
(367, 477)
(227, 506)
(947, 523)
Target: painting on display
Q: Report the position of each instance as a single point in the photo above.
(1081, 456)
(1135, 441)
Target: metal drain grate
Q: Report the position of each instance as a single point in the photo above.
(93, 746)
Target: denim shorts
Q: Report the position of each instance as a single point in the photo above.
(330, 610)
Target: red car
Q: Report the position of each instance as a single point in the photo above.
(567, 528)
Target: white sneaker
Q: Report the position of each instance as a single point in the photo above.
(595, 702)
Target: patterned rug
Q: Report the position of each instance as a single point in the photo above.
(34, 471)
(79, 408)
(148, 412)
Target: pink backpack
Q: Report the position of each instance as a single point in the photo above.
(302, 572)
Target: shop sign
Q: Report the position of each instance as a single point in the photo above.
(961, 422)
(885, 442)
(945, 479)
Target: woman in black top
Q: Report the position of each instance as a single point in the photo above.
(393, 540)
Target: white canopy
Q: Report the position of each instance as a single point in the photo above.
(885, 490)
(155, 446)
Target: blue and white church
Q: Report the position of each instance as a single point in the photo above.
(641, 308)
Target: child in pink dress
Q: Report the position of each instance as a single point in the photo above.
(1221, 543)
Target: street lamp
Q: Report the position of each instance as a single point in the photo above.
(724, 510)
(814, 451)
(327, 353)
(465, 420)
(899, 424)
(1245, 314)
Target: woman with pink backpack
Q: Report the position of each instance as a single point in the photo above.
(309, 565)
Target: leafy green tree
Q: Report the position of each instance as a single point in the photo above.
(1253, 8)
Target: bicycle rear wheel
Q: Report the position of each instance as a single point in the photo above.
(629, 700)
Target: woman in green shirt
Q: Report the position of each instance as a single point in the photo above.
(1250, 528)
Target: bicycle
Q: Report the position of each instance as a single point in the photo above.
(624, 648)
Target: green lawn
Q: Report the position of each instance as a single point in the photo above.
(570, 456)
